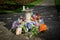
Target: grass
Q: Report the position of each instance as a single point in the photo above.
(57, 2)
(20, 8)
(35, 2)
(17, 10)
(6, 11)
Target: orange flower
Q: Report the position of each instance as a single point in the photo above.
(42, 27)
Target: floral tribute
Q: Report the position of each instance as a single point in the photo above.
(32, 24)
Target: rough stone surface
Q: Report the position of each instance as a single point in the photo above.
(5, 34)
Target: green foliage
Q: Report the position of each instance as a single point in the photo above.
(35, 2)
(33, 31)
(57, 2)
(20, 8)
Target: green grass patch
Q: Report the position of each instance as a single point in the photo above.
(57, 2)
(6, 11)
(35, 2)
(17, 10)
(20, 8)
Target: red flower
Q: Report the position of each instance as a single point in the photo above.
(37, 16)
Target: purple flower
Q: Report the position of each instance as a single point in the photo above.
(15, 24)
